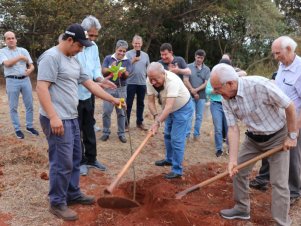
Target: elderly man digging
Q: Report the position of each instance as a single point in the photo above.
(177, 111)
(269, 116)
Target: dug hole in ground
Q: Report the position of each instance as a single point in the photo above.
(24, 184)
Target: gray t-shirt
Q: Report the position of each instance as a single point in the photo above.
(138, 74)
(64, 73)
(19, 68)
(198, 77)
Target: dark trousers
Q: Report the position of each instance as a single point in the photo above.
(93, 107)
(131, 91)
(86, 124)
(294, 180)
(64, 161)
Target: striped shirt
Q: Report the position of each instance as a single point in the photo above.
(259, 103)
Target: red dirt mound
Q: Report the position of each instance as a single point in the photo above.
(159, 206)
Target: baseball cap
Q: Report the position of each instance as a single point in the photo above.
(77, 32)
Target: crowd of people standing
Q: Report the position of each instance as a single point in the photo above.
(70, 74)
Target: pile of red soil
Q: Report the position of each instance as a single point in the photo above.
(159, 206)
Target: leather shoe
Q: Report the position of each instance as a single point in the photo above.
(162, 162)
(122, 139)
(142, 127)
(172, 175)
(104, 137)
(63, 212)
(258, 186)
(83, 199)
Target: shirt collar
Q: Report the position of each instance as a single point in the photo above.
(240, 87)
(292, 67)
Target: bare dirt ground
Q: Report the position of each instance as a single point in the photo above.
(24, 168)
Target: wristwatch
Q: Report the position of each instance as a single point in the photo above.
(293, 135)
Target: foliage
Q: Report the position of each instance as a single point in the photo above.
(243, 28)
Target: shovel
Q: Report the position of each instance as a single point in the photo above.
(221, 175)
(115, 202)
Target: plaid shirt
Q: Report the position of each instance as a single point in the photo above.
(259, 103)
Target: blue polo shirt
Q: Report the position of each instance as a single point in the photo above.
(126, 63)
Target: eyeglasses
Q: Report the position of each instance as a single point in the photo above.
(96, 36)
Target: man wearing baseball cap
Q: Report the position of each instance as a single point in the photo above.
(57, 88)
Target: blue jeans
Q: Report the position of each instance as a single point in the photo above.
(108, 109)
(176, 125)
(13, 89)
(220, 124)
(132, 90)
(198, 110)
(65, 154)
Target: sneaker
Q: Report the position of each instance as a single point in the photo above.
(104, 137)
(63, 212)
(293, 200)
(83, 199)
(32, 131)
(19, 134)
(234, 214)
(122, 139)
(97, 165)
(219, 153)
(96, 128)
(257, 185)
(83, 170)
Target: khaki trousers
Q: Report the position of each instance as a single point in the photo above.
(279, 172)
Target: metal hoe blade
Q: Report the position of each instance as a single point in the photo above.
(115, 202)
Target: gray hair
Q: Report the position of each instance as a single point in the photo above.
(224, 73)
(89, 22)
(137, 37)
(286, 41)
(122, 43)
(155, 66)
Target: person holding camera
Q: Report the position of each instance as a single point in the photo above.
(136, 83)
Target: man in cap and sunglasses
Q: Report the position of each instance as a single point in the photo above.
(57, 88)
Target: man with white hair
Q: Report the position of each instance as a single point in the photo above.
(270, 117)
(288, 79)
(90, 62)
(176, 113)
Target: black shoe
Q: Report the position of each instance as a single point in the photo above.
(259, 186)
(172, 175)
(122, 139)
(83, 199)
(32, 131)
(162, 162)
(104, 137)
(219, 153)
(19, 134)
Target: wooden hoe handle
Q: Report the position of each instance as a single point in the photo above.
(111, 187)
(221, 175)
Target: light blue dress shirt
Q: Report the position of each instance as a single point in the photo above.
(90, 62)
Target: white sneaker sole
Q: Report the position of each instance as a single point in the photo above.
(236, 217)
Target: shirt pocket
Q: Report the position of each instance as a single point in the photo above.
(256, 116)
